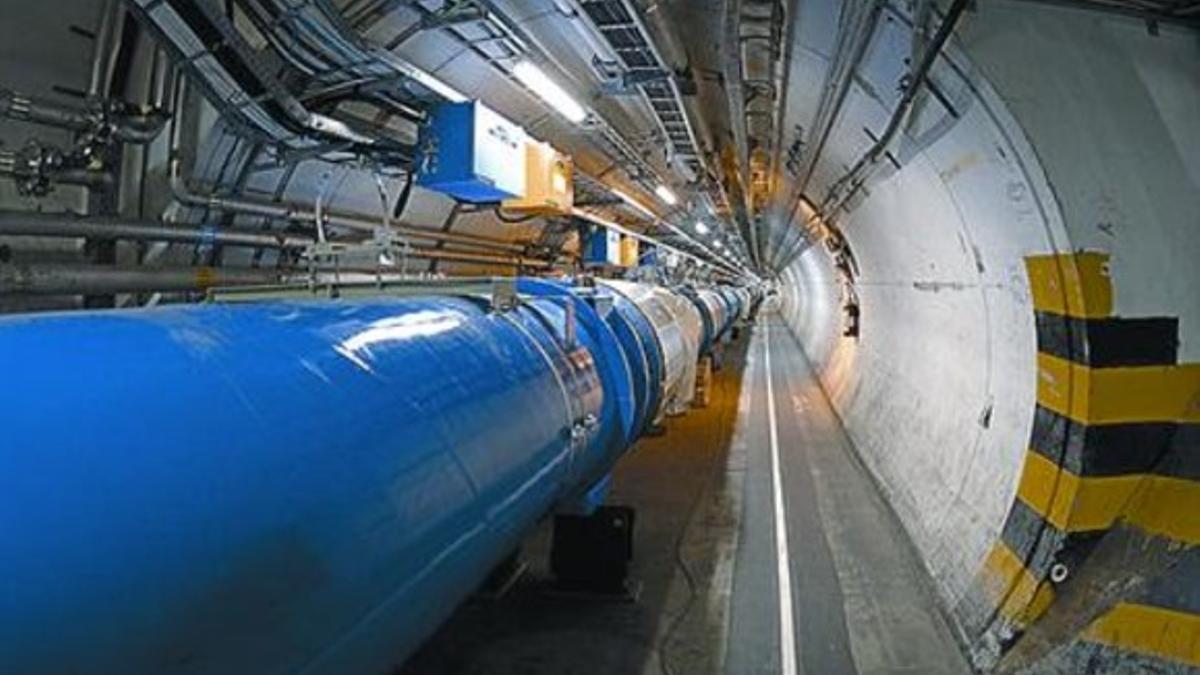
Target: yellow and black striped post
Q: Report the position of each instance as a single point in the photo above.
(1114, 440)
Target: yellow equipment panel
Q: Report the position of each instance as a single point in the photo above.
(549, 188)
(629, 252)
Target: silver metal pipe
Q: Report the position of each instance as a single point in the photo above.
(139, 128)
(29, 224)
(77, 279)
(17, 106)
(428, 253)
(90, 178)
(914, 86)
(72, 279)
(36, 168)
(20, 223)
(103, 49)
(849, 52)
(126, 127)
(185, 195)
(849, 182)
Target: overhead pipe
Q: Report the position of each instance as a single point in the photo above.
(731, 71)
(74, 279)
(833, 98)
(781, 79)
(1178, 13)
(33, 224)
(915, 84)
(103, 48)
(126, 126)
(431, 253)
(241, 205)
(833, 199)
(235, 71)
(80, 279)
(837, 88)
(505, 253)
(23, 108)
(37, 168)
(293, 486)
(71, 279)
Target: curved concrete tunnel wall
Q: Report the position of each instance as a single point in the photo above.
(1062, 199)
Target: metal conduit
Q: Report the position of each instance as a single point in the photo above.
(185, 195)
(848, 54)
(945, 29)
(834, 199)
(429, 253)
(138, 128)
(72, 279)
(506, 253)
(29, 224)
(77, 279)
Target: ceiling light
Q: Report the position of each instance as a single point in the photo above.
(633, 202)
(424, 78)
(664, 193)
(718, 243)
(701, 228)
(548, 90)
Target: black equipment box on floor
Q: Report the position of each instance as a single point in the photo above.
(593, 552)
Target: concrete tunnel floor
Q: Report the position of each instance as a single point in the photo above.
(706, 559)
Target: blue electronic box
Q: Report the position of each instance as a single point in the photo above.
(472, 154)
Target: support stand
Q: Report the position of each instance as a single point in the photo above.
(704, 377)
(590, 554)
(655, 429)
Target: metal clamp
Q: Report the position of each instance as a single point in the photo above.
(584, 427)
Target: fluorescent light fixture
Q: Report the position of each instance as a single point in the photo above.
(664, 193)
(548, 90)
(633, 202)
(422, 77)
(701, 228)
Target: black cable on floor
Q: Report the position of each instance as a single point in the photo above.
(689, 576)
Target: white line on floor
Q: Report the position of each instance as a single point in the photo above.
(787, 633)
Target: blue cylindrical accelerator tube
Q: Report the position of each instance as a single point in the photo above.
(641, 346)
(734, 300)
(746, 302)
(616, 426)
(713, 313)
(706, 332)
(277, 487)
(730, 302)
(677, 330)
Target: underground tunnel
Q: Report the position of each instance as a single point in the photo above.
(456, 337)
